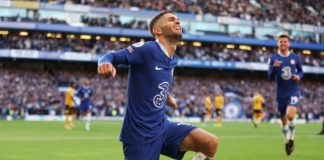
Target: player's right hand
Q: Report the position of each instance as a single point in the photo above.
(107, 70)
(276, 63)
(295, 77)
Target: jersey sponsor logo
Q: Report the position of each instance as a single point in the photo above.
(286, 73)
(160, 98)
(158, 68)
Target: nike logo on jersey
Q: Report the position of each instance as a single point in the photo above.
(158, 68)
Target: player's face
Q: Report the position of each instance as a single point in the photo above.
(86, 82)
(170, 26)
(283, 44)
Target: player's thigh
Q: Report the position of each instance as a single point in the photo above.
(142, 152)
(291, 111)
(219, 112)
(198, 140)
(260, 114)
(293, 105)
(67, 109)
(256, 113)
(83, 109)
(174, 135)
(282, 104)
(74, 110)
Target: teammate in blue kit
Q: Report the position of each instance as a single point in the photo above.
(286, 68)
(85, 93)
(146, 132)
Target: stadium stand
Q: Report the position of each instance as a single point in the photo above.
(290, 11)
(208, 51)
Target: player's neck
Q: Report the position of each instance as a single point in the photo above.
(284, 52)
(169, 45)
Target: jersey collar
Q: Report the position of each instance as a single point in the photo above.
(282, 54)
(163, 48)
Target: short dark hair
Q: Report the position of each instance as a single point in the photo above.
(156, 18)
(284, 36)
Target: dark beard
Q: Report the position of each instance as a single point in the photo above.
(175, 37)
(171, 36)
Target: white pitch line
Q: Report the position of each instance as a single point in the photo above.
(55, 138)
(116, 138)
(249, 129)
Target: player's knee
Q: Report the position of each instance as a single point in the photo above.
(212, 143)
(290, 117)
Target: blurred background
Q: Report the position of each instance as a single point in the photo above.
(225, 48)
(46, 44)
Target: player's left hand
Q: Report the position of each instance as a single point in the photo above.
(295, 77)
(107, 70)
(172, 102)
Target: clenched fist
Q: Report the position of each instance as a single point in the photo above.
(295, 77)
(107, 70)
(276, 63)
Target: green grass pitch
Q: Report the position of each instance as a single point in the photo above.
(20, 140)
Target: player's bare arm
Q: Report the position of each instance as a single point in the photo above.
(171, 101)
(107, 70)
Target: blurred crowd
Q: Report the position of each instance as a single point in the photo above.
(288, 11)
(113, 21)
(109, 21)
(208, 51)
(19, 18)
(258, 11)
(39, 91)
(28, 91)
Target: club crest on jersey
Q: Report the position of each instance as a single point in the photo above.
(292, 61)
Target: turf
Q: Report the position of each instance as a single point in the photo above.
(20, 140)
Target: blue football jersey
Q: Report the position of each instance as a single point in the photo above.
(85, 94)
(289, 66)
(149, 79)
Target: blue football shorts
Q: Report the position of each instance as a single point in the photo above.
(284, 102)
(168, 144)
